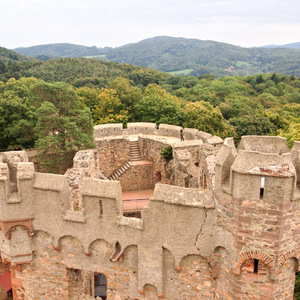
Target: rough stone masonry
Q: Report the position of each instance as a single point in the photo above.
(223, 223)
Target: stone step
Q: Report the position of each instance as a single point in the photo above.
(135, 152)
(120, 171)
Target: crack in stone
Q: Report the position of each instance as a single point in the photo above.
(201, 228)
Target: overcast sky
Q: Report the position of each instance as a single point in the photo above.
(114, 23)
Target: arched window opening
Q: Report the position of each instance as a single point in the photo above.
(254, 267)
(100, 285)
(158, 176)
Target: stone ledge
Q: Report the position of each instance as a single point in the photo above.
(183, 196)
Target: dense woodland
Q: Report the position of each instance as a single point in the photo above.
(79, 93)
(265, 104)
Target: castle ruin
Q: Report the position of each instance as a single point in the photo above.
(223, 222)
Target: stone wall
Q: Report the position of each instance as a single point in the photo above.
(237, 237)
(112, 153)
(191, 280)
(258, 214)
(151, 149)
(54, 250)
(138, 177)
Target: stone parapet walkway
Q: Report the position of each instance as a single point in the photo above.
(136, 200)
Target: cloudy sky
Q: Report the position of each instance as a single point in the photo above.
(114, 23)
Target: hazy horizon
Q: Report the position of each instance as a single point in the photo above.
(114, 23)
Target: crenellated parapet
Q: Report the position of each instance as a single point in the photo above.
(257, 197)
(228, 227)
(144, 128)
(44, 209)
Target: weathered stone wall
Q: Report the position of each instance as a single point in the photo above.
(169, 130)
(97, 238)
(191, 280)
(185, 166)
(151, 149)
(141, 128)
(112, 153)
(108, 130)
(138, 177)
(259, 216)
(236, 238)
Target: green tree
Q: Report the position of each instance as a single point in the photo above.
(128, 94)
(158, 106)
(88, 97)
(62, 127)
(297, 286)
(239, 106)
(203, 116)
(291, 133)
(17, 118)
(109, 108)
(17, 123)
(253, 125)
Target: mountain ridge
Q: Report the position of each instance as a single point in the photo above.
(183, 56)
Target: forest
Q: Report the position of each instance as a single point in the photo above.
(265, 104)
(39, 99)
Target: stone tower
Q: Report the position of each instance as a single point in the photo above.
(257, 195)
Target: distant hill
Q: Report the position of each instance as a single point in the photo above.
(292, 46)
(51, 51)
(186, 56)
(179, 54)
(9, 55)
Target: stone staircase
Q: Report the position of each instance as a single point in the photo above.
(120, 171)
(135, 153)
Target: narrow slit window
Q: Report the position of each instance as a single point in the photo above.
(101, 208)
(262, 187)
(255, 268)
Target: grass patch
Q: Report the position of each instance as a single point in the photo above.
(102, 56)
(182, 72)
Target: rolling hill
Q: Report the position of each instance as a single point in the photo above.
(51, 51)
(292, 46)
(184, 56)
(9, 55)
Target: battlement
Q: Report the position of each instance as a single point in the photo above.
(264, 144)
(253, 163)
(114, 130)
(221, 215)
(44, 206)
